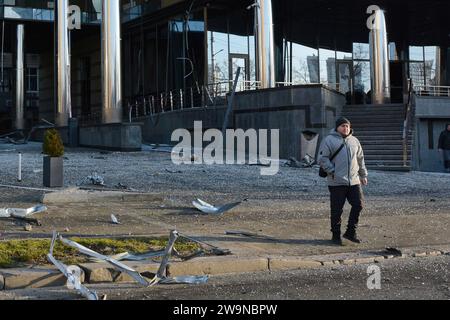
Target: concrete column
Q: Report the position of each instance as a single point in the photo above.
(379, 60)
(64, 105)
(265, 47)
(111, 62)
(20, 83)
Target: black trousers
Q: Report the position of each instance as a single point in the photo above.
(338, 197)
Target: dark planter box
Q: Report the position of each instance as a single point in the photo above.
(53, 172)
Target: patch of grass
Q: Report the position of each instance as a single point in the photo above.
(18, 253)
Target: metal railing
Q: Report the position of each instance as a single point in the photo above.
(406, 123)
(434, 91)
(203, 96)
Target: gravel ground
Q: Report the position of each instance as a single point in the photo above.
(154, 171)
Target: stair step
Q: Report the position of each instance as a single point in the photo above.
(381, 148)
(372, 119)
(391, 168)
(382, 126)
(395, 162)
(381, 144)
(385, 157)
(370, 154)
(360, 112)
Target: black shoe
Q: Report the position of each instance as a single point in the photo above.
(351, 237)
(337, 239)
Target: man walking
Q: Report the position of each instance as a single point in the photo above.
(346, 172)
(444, 147)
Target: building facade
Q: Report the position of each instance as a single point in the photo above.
(177, 55)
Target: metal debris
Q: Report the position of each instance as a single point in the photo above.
(393, 251)
(125, 256)
(23, 214)
(94, 179)
(114, 219)
(210, 209)
(307, 162)
(122, 267)
(72, 274)
(161, 277)
(161, 274)
(250, 235)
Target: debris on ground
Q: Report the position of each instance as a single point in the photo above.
(250, 235)
(23, 215)
(210, 209)
(161, 276)
(173, 171)
(72, 273)
(28, 227)
(393, 251)
(307, 162)
(114, 219)
(122, 267)
(94, 179)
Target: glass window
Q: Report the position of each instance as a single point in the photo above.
(415, 53)
(218, 56)
(432, 57)
(393, 53)
(416, 73)
(327, 67)
(361, 51)
(361, 71)
(305, 64)
(32, 80)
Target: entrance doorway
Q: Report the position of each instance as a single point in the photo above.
(397, 81)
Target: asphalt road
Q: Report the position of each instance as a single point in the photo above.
(401, 279)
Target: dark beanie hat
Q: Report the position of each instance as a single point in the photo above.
(341, 121)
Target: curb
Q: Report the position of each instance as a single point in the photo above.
(75, 195)
(93, 273)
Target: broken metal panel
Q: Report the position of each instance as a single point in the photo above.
(125, 256)
(122, 267)
(210, 209)
(114, 219)
(23, 214)
(72, 274)
(162, 268)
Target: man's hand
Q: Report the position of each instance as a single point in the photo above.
(440, 150)
(364, 181)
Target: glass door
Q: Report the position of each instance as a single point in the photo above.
(345, 76)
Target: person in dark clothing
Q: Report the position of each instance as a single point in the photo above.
(444, 147)
(346, 172)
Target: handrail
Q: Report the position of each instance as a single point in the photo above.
(406, 123)
(437, 91)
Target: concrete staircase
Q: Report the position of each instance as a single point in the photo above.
(380, 130)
